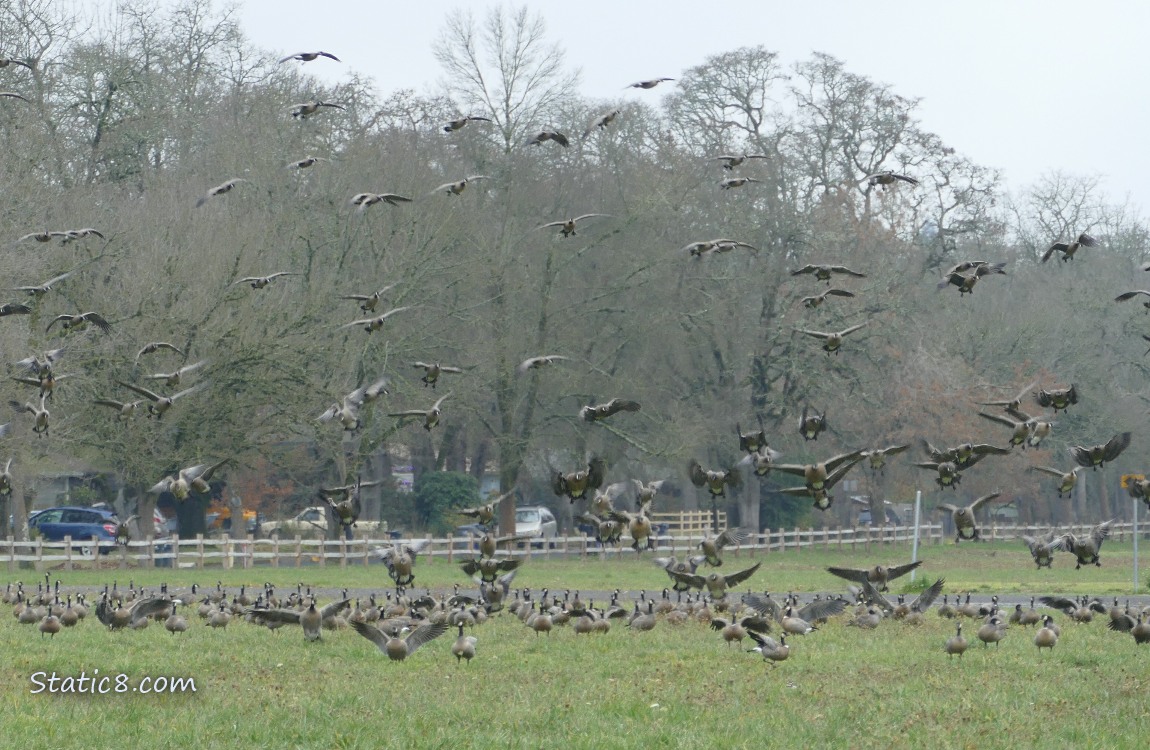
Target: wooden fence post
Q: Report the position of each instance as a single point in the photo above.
(298, 551)
(67, 552)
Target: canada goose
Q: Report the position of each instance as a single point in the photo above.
(816, 300)
(715, 584)
(815, 475)
(122, 617)
(1097, 455)
(638, 525)
(364, 200)
(712, 546)
(374, 324)
(1020, 431)
(220, 189)
(12, 95)
(964, 455)
(911, 612)
(1141, 631)
(1046, 637)
(485, 514)
(876, 457)
(39, 290)
(78, 322)
(1013, 404)
(868, 619)
(461, 122)
(400, 559)
(824, 272)
(155, 346)
(736, 182)
(304, 163)
(1057, 398)
(10, 308)
(737, 628)
(1042, 550)
(1067, 479)
(643, 621)
(993, 631)
(966, 281)
(6, 473)
(49, 624)
(429, 416)
(811, 423)
(731, 161)
(965, 524)
(259, 282)
(172, 379)
(575, 484)
(369, 301)
(1086, 548)
(946, 609)
(548, 135)
(175, 623)
(311, 619)
(956, 644)
(1139, 489)
(432, 371)
(879, 575)
(6, 61)
(46, 383)
(597, 412)
(307, 109)
(457, 187)
(832, 341)
(607, 531)
(821, 495)
(40, 415)
(715, 481)
(346, 410)
(705, 247)
(464, 646)
(1131, 295)
(304, 57)
(650, 83)
(488, 568)
(751, 442)
(888, 177)
(348, 509)
(123, 533)
(1069, 248)
(948, 475)
(567, 226)
(601, 122)
(192, 479)
(534, 363)
(396, 648)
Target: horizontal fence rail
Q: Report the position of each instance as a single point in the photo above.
(248, 552)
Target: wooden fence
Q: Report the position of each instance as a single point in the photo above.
(249, 552)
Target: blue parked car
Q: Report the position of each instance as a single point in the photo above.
(82, 524)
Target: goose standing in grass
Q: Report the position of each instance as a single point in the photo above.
(1046, 637)
(396, 648)
(464, 646)
(175, 623)
(992, 631)
(772, 651)
(956, 644)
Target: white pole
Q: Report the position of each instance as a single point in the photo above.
(1135, 524)
(917, 516)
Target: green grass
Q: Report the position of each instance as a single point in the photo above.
(675, 687)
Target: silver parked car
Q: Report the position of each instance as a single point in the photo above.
(536, 521)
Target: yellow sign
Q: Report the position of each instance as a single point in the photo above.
(1128, 478)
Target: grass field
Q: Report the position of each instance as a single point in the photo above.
(670, 688)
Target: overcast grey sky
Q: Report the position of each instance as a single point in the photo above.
(1028, 86)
